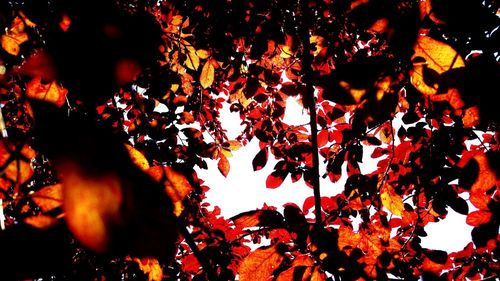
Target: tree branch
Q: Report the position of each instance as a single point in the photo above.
(309, 101)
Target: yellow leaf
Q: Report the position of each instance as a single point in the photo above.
(49, 197)
(207, 75)
(51, 92)
(286, 52)
(234, 145)
(177, 185)
(392, 201)
(438, 57)
(203, 54)
(137, 157)
(192, 59)
(260, 264)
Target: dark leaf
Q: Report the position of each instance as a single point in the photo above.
(459, 205)
(260, 159)
(261, 218)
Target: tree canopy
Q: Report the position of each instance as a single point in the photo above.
(108, 108)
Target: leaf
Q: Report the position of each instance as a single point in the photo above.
(261, 218)
(260, 264)
(49, 197)
(223, 165)
(207, 75)
(176, 184)
(51, 92)
(478, 218)
(392, 201)
(41, 221)
(459, 205)
(260, 160)
(151, 267)
(19, 170)
(192, 59)
(137, 157)
(295, 273)
(275, 179)
(438, 57)
(190, 264)
(14, 37)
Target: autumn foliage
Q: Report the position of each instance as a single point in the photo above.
(108, 108)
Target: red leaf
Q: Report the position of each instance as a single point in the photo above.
(477, 218)
(275, 179)
(323, 138)
(190, 264)
(260, 264)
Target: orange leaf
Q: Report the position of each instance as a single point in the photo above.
(471, 117)
(41, 221)
(480, 200)
(223, 165)
(51, 92)
(260, 264)
(392, 201)
(89, 204)
(434, 267)
(295, 273)
(186, 118)
(49, 197)
(177, 185)
(18, 170)
(14, 37)
(317, 275)
(438, 57)
(137, 157)
(151, 267)
(207, 75)
(477, 218)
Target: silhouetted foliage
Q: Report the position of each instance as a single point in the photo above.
(109, 107)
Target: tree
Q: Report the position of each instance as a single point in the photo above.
(126, 97)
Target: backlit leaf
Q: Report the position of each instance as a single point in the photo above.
(137, 157)
(51, 92)
(190, 264)
(207, 75)
(49, 197)
(477, 218)
(19, 170)
(192, 59)
(223, 165)
(41, 221)
(275, 179)
(260, 264)
(14, 37)
(151, 267)
(176, 184)
(392, 201)
(438, 57)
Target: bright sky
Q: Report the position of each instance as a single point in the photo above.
(245, 190)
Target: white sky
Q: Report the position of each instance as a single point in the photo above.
(245, 190)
